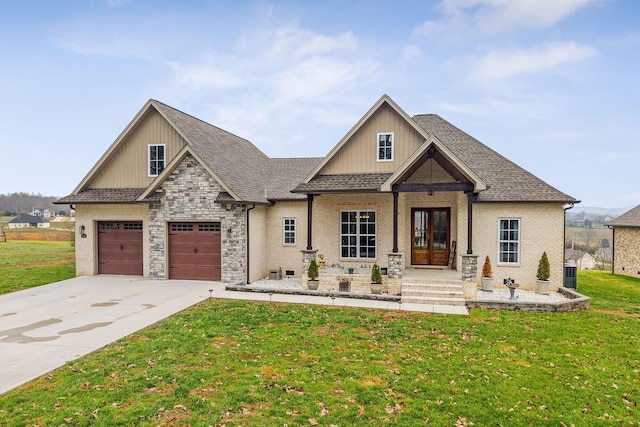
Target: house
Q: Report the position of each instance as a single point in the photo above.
(626, 243)
(45, 213)
(177, 198)
(24, 220)
(582, 260)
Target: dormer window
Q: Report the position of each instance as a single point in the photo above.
(385, 147)
(156, 159)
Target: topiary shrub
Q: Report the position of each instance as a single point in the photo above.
(544, 270)
(486, 268)
(376, 275)
(312, 272)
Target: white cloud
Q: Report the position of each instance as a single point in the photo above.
(299, 43)
(466, 17)
(411, 52)
(504, 64)
(209, 75)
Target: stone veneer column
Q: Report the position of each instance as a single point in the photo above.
(395, 265)
(469, 267)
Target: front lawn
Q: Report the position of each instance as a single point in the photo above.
(25, 264)
(256, 364)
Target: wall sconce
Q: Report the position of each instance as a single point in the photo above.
(82, 233)
(430, 193)
(229, 232)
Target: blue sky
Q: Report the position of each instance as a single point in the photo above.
(552, 85)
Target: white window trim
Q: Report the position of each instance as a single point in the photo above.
(285, 231)
(358, 212)
(149, 158)
(393, 143)
(519, 241)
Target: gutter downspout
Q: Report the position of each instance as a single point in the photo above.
(248, 241)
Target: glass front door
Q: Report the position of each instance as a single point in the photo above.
(430, 245)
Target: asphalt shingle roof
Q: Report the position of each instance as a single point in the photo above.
(341, 183)
(285, 174)
(102, 195)
(506, 181)
(630, 218)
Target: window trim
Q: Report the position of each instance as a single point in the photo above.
(358, 213)
(518, 241)
(294, 232)
(164, 158)
(378, 146)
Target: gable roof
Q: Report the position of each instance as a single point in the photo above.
(506, 181)
(630, 218)
(284, 174)
(494, 177)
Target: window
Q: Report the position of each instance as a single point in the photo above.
(156, 159)
(289, 231)
(358, 234)
(385, 147)
(509, 241)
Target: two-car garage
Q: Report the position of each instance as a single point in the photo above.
(194, 249)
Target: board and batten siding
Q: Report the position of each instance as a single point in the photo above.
(128, 166)
(359, 154)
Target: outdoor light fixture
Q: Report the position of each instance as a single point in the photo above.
(210, 291)
(82, 233)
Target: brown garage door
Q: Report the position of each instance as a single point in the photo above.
(120, 248)
(194, 251)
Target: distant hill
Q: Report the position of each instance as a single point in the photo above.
(16, 203)
(595, 211)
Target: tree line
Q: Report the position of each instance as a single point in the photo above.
(12, 204)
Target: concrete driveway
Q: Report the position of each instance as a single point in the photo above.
(42, 328)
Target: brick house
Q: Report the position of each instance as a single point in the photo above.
(177, 198)
(626, 243)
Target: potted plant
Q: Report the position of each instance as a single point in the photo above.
(544, 271)
(312, 273)
(487, 275)
(376, 279)
(344, 284)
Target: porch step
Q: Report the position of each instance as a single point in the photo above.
(432, 292)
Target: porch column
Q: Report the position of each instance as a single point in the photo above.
(309, 220)
(469, 222)
(395, 222)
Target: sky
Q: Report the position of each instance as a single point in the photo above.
(552, 85)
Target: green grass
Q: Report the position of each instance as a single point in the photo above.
(25, 264)
(262, 364)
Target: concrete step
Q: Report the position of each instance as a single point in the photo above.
(434, 300)
(433, 292)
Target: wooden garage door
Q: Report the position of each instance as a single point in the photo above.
(120, 248)
(194, 251)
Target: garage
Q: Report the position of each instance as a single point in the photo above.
(120, 248)
(195, 251)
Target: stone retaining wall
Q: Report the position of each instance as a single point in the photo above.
(577, 302)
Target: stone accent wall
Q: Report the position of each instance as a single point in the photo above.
(190, 194)
(469, 267)
(396, 265)
(626, 249)
(87, 247)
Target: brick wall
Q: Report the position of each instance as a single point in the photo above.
(89, 215)
(627, 251)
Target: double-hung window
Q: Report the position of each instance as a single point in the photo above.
(509, 241)
(385, 147)
(156, 159)
(289, 231)
(358, 234)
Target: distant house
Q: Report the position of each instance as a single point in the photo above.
(626, 243)
(24, 220)
(44, 213)
(582, 260)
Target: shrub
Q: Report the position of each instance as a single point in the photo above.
(486, 268)
(312, 273)
(544, 270)
(376, 275)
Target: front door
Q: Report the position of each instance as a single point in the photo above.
(430, 244)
